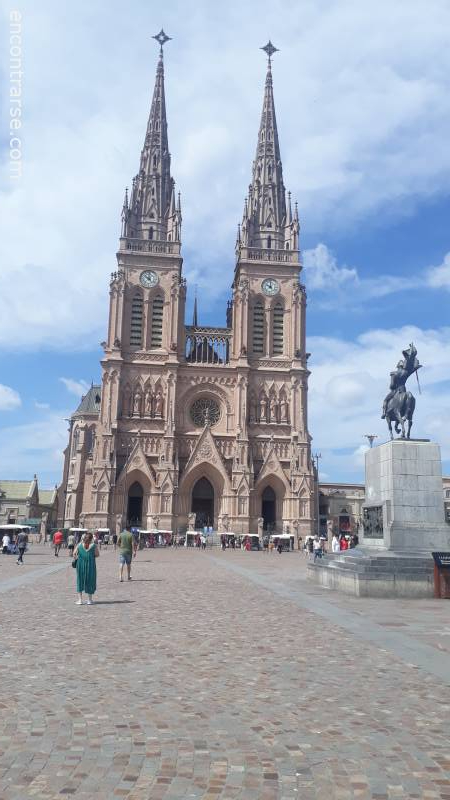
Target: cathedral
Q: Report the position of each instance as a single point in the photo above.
(198, 425)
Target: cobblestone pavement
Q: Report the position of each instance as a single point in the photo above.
(209, 676)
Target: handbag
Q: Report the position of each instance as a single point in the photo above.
(74, 562)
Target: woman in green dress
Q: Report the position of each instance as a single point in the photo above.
(86, 552)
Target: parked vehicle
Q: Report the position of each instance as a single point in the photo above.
(13, 531)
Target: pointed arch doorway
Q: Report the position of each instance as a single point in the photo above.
(269, 508)
(135, 502)
(202, 503)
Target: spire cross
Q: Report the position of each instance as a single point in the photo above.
(269, 49)
(162, 38)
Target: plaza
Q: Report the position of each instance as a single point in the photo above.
(217, 675)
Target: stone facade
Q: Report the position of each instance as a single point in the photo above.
(340, 504)
(23, 502)
(210, 421)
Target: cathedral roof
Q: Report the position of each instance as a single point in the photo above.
(16, 490)
(90, 403)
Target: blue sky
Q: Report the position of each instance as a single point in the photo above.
(363, 109)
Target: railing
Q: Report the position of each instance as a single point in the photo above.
(207, 345)
(150, 246)
(263, 254)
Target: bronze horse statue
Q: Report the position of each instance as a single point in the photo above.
(400, 409)
(399, 404)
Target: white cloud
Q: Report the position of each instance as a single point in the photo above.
(322, 271)
(77, 388)
(35, 447)
(41, 406)
(344, 287)
(349, 381)
(439, 277)
(9, 398)
(363, 118)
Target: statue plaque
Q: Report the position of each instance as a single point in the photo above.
(373, 522)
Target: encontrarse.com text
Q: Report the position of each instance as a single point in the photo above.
(15, 93)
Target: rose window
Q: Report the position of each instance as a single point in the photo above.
(205, 412)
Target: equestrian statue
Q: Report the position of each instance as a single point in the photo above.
(399, 404)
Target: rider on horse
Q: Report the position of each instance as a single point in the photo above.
(405, 367)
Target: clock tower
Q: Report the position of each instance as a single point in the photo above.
(195, 425)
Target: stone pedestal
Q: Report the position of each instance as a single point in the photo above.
(404, 489)
(403, 522)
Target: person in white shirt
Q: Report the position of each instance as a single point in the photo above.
(6, 541)
(317, 547)
(335, 546)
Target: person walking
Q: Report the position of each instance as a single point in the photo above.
(114, 541)
(70, 544)
(22, 540)
(57, 541)
(135, 535)
(335, 546)
(85, 553)
(317, 548)
(6, 541)
(125, 543)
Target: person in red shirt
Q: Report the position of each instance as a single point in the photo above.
(343, 543)
(57, 541)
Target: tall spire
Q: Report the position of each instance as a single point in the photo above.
(266, 222)
(152, 213)
(195, 313)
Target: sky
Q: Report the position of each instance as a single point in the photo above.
(363, 110)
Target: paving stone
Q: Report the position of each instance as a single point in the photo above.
(220, 675)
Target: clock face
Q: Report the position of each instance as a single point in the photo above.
(270, 286)
(149, 278)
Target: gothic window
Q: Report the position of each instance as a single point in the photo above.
(150, 233)
(242, 503)
(75, 441)
(277, 331)
(205, 410)
(136, 321)
(89, 440)
(258, 328)
(154, 161)
(269, 242)
(157, 322)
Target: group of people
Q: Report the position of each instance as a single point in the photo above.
(19, 543)
(316, 546)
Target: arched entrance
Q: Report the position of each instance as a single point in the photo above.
(135, 499)
(203, 503)
(269, 508)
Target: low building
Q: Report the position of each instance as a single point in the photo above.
(342, 504)
(23, 503)
(446, 488)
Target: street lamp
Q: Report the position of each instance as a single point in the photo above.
(315, 459)
(371, 437)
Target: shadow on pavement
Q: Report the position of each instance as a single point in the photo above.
(111, 602)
